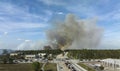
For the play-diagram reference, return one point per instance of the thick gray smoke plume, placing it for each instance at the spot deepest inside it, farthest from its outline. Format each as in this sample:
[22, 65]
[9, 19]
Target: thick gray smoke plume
[75, 34]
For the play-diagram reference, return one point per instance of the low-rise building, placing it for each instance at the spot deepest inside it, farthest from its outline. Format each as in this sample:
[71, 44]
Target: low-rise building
[13, 54]
[41, 54]
[30, 57]
[115, 63]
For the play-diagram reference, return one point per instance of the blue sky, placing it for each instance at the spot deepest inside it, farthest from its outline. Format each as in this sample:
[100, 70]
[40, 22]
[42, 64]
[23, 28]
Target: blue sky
[23, 23]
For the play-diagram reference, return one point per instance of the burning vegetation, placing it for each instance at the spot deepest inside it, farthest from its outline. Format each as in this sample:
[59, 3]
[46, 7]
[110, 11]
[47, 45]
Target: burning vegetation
[74, 33]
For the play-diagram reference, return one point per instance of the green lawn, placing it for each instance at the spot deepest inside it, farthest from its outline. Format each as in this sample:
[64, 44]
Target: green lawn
[50, 67]
[16, 67]
[86, 67]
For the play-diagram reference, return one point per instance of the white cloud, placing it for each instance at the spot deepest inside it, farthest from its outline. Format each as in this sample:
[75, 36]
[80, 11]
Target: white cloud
[24, 40]
[15, 19]
[9, 12]
[81, 9]
[19, 39]
[12, 26]
[48, 12]
[81, 6]
[59, 12]
[5, 33]
[53, 2]
[35, 33]
[28, 41]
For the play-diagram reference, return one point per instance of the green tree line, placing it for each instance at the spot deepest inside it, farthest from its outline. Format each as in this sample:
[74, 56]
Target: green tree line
[93, 54]
[54, 52]
[83, 54]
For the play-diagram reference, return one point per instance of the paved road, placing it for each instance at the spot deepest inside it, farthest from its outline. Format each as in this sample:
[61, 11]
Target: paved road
[62, 66]
[77, 67]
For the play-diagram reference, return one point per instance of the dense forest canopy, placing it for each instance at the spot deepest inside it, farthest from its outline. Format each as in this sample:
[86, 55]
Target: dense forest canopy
[80, 54]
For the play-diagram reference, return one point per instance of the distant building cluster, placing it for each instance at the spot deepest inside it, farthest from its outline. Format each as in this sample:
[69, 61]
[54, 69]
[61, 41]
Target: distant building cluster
[29, 58]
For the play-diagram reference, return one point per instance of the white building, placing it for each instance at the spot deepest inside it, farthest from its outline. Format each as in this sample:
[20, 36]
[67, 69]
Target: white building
[115, 63]
[30, 57]
[13, 54]
[41, 54]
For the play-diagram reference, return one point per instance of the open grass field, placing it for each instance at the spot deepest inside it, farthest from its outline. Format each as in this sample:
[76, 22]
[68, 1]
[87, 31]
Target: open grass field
[50, 67]
[26, 67]
[86, 67]
[16, 67]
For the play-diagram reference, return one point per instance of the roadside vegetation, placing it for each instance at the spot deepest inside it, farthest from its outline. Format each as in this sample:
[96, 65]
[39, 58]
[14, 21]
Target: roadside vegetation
[86, 67]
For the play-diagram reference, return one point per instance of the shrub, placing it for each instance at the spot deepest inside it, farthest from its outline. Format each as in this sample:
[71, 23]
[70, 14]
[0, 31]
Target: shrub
[36, 66]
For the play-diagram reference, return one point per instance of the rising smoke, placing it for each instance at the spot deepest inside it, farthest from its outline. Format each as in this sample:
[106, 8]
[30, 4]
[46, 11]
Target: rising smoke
[74, 34]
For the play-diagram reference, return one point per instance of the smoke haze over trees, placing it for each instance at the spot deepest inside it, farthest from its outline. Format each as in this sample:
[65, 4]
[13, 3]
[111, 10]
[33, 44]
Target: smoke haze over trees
[75, 33]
